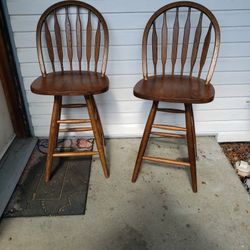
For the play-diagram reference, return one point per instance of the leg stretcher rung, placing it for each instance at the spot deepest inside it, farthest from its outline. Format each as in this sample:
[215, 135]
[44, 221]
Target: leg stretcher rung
[75, 129]
[69, 154]
[73, 121]
[169, 127]
[170, 110]
[162, 134]
[165, 160]
[74, 105]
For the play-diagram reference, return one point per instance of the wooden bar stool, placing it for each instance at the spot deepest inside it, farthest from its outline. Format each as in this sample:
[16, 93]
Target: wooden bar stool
[60, 49]
[185, 81]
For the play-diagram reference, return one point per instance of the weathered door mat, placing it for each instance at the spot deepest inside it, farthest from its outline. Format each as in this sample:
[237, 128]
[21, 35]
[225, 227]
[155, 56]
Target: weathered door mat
[65, 194]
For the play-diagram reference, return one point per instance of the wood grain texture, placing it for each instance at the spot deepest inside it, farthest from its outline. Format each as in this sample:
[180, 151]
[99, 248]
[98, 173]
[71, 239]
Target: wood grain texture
[88, 40]
[58, 40]
[69, 38]
[205, 49]
[97, 44]
[196, 43]
[175, 40]
[154, 48]
[164, 43]
[185, 41]
[49, 45]
[79, 38]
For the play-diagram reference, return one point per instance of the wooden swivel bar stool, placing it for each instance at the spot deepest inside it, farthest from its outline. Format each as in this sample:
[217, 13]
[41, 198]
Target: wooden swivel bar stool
[61, 54]
[186, 81]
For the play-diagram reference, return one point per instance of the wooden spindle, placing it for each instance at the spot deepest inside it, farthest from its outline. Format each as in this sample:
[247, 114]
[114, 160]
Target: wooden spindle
[197, 38]
[97, 44]
[205, 49]
[185, 41]
[58, 40]
[49, 45]
[164, 43]
[69, 38]
[88, 40]
[154, 48]
[79, 38]
[175, 39]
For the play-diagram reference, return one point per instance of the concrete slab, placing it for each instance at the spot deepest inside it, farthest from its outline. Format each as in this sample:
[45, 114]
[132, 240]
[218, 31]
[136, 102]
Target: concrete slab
[159, 211]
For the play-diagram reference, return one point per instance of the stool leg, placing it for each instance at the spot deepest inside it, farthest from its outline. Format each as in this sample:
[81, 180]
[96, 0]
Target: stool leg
[99, 123]
[193, 131]
[52, 135]
[97, 135]
[191, 145]
[144, 140]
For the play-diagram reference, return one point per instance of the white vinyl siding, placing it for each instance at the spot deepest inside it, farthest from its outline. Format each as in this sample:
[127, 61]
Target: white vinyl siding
[124, 115]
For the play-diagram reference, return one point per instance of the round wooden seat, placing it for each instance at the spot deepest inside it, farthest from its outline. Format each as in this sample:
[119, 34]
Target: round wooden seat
[178, 89]
[71, 83]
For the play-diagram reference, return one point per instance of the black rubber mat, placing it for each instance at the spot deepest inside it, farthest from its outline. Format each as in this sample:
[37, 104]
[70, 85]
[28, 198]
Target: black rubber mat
[66, 192]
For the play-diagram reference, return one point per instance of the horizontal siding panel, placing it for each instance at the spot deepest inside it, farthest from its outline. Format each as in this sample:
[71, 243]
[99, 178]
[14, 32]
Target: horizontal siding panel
[108, 105]
[140, 118]
[122, 130]
[134, 67]
[118, 21]
[128, 81]
[134, 37]
[133, 52]
[228, 116]
[31, 7]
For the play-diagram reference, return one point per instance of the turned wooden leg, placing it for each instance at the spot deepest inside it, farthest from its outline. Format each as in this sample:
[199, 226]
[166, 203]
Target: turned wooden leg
[53, 134]
[99, 123]
[191, 145]
[144, 140]
[97, 135]
[193, 131]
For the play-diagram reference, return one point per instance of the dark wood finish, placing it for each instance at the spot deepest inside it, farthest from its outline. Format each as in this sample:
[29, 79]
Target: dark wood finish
[98, 138]
[205, 49]
[88, 40]
[68, 83]
[74, 82]
[10, 80]
[97, 44]
[196, 44]
[167, 161]
[179, 89]
[52, 10]
[154, 48]
[144, 140]
[58, 40]
[175, 39]
[185, 41]
[183, 88]
[191, 146]
[79, 38]
[53, 135]
[49, 46]
[69, 38]
[164, 43]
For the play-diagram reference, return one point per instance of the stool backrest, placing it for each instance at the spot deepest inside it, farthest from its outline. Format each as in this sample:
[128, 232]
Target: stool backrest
[191, 19]
[61, 38]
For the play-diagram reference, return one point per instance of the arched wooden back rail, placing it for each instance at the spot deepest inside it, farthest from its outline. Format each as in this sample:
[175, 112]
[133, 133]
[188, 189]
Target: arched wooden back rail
[54, 44]
[189, 8]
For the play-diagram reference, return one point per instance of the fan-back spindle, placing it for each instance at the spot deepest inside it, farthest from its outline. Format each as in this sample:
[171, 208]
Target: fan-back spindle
[58, 40]
[154, 48]
[79, 39]
[193, 13]
[175, 39]
[185, 41]
[61, 16]
[164, 43]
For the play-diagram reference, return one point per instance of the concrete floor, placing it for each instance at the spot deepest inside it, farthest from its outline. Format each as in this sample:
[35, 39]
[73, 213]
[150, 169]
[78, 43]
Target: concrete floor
[158, 212]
